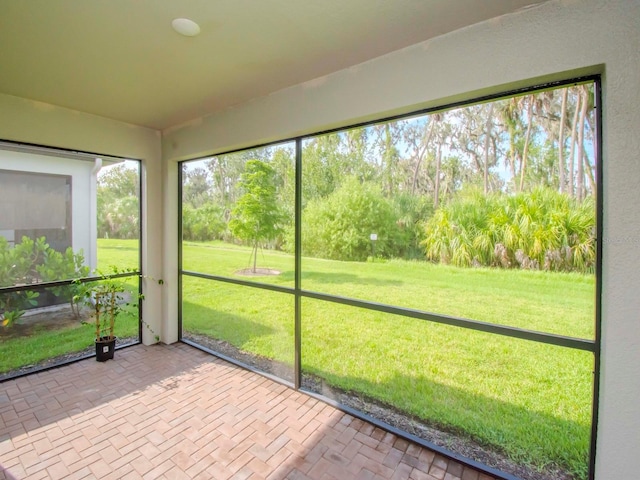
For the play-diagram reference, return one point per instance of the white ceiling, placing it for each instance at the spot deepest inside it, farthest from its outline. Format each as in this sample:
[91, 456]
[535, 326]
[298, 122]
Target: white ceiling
[120, 58]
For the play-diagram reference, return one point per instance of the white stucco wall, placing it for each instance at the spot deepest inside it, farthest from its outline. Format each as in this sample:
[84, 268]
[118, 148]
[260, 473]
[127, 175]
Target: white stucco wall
[33, 122]
[558, 40]
[82, 238]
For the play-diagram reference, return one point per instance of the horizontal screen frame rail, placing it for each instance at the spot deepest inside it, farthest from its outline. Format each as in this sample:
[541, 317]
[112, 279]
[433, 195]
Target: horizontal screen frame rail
[504, 330]
[62, 283]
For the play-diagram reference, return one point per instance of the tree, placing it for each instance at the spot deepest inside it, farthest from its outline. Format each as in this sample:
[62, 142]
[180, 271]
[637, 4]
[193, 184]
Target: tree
[418, 137]
[474, 135]
[487, 144]
[339, 227]
[584, 93]
[196, 189]
[283, 162]
[256, 216]
[118, 201]
[388, 136]
[119, 180]
[563, 116]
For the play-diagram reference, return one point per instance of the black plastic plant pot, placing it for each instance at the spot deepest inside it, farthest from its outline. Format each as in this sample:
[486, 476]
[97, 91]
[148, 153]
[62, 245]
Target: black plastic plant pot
[105, 347]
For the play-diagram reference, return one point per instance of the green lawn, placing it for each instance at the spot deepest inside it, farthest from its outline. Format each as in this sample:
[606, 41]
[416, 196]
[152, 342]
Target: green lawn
[121, 253]
[45, 341]
[529, 400]
[560, 303]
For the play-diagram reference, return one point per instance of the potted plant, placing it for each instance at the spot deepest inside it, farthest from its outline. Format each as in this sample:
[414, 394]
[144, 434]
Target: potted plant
[107, 306]
[108, 298]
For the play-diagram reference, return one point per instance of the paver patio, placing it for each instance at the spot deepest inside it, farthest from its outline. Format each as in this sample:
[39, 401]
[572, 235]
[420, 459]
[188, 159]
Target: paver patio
[172, 411]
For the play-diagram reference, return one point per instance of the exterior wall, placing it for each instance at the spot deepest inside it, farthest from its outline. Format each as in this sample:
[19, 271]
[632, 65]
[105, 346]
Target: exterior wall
[559, 39]
[82, 238]
[38, 123]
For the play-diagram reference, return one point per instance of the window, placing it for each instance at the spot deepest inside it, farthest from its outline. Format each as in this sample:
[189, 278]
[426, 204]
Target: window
[63, 216]
[36, 205]
[438, 270]
[237, 225]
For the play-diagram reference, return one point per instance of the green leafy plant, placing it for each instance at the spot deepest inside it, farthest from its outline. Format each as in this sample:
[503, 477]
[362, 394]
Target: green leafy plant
[340, 226]
[18, 263]
[13, 305]
[538, 230]
[58, 266]
[256, 216]
[109, 298]
[19, 266]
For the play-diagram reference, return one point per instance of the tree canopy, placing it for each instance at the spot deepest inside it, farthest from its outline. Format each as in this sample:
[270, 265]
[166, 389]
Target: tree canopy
[256, 216]
[417, 166]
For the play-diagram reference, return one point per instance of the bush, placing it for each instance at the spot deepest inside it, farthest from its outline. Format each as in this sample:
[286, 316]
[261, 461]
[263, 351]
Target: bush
[542, 229]
[120, 218]
[31, 262]
[203, 223]
[339, 227]
[411, 211]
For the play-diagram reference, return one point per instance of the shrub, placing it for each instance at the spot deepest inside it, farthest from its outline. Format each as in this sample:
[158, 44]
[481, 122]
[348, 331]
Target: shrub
[120, 218]
[31, 262]
[203, 223]
[411, 211]
[542, 229]
[64, 266]
[339, 227]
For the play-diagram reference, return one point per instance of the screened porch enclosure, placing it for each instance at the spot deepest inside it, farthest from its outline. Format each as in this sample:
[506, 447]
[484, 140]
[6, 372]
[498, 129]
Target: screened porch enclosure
[402, 241]
[67, 219]
[438, 271]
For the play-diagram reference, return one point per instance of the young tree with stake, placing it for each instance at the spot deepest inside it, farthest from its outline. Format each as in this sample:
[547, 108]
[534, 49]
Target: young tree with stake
[256, 216]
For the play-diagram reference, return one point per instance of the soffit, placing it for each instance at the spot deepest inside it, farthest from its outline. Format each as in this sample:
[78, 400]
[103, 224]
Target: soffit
[120, 59]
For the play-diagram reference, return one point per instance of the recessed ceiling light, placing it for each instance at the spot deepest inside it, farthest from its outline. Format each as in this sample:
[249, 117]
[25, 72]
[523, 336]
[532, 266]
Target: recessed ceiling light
[186, 27]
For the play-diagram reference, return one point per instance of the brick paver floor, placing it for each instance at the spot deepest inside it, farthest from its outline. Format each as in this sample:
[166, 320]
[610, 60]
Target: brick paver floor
[171, 411]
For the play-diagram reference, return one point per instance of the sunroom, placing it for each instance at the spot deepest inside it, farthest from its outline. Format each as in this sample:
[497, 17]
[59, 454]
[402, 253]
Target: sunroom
[283, 189]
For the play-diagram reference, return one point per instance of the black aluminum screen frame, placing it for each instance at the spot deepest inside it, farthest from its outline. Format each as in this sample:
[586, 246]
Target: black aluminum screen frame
[593, 346]
[77, 155]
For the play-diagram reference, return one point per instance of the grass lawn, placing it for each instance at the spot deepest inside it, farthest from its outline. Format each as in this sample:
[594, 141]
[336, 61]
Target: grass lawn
[528, 400]
[44, 342]
[559, 303]
[121, 253]
[43, 337]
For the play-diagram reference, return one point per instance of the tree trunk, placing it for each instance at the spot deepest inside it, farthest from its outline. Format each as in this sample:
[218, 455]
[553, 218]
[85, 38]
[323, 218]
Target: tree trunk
[589, 170]
[574, 128]
[388, 143]
[255, 256]
[563, 114]
[527, 139]
[580, 173]
[427, 139]
[512, 159]
[510, 129]
[487, 142]
[436, 194]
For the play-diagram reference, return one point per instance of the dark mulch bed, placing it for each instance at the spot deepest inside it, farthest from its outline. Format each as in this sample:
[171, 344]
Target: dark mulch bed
[47, 319]
[437, 436]
[61, 360]
[258, 272]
